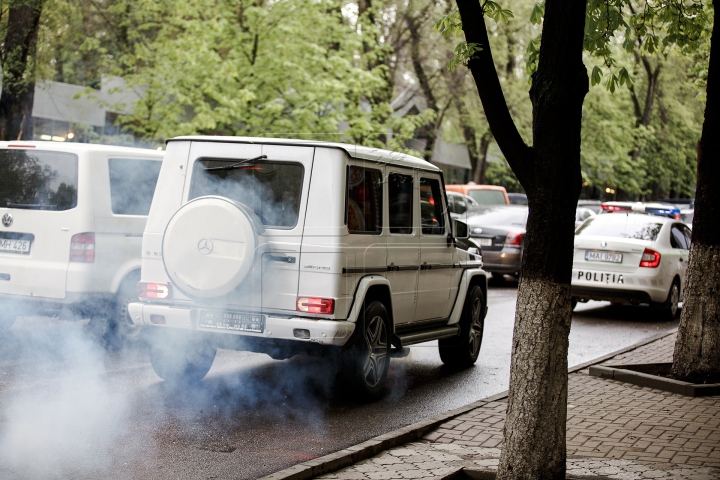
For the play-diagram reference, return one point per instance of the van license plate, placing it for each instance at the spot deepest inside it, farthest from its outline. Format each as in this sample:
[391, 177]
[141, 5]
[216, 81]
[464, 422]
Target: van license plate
[485, 242]
[10, 245]
[603, 257]
[241, 322]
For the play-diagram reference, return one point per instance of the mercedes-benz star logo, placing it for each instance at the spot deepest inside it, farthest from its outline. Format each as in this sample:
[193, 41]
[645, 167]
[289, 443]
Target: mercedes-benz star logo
[205, 246]
[7, 219]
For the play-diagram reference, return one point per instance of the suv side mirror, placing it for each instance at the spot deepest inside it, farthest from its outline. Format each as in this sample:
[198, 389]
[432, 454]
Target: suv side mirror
[460, 229]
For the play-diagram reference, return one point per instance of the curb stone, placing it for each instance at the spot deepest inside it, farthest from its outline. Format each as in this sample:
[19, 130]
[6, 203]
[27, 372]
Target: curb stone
[370, 448]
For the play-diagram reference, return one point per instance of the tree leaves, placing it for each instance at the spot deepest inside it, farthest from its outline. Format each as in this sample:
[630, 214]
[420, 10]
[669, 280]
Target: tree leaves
[463, 54]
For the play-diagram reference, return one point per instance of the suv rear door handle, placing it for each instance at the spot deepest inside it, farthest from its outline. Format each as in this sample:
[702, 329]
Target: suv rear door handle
[281, 258]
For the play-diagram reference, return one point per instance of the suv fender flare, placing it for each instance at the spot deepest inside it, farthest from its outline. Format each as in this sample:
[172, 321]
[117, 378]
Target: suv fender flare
[471, 276]
[363, 287]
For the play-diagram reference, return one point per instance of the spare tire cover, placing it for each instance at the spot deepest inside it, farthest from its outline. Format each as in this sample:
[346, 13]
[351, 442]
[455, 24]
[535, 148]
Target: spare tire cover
[209, 247]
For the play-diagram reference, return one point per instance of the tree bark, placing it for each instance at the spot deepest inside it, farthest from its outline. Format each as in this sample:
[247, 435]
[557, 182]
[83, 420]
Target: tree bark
[534, 440]
[697, 350]
[644, 114]
[481, 167]
[18, 64]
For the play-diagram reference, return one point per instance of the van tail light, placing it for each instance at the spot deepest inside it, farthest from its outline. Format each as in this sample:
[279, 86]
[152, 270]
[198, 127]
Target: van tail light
[514, 239]
[156, 291]
[315, 305]
[650, 259]
[82, 248]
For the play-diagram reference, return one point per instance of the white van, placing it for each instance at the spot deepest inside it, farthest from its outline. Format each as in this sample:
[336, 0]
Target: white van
[72, 221]
[287, 246]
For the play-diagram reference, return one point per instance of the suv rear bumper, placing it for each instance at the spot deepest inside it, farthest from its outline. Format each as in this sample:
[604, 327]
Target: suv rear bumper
[324, 332]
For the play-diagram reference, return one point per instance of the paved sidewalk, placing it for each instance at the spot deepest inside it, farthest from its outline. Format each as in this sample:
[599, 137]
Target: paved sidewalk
[614, 430]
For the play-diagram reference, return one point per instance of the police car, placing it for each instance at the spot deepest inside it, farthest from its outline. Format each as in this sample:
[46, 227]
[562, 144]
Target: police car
[631, 257]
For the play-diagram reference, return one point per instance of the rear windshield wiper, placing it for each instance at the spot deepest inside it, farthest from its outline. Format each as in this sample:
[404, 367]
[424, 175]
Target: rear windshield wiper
[236, 165]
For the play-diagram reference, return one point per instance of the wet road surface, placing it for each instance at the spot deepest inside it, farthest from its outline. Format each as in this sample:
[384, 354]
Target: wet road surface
[70, 409]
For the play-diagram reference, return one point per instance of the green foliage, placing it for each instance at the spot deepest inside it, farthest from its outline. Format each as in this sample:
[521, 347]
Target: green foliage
[463, 54]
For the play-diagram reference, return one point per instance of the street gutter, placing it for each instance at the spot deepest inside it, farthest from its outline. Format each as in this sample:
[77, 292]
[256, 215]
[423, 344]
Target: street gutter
[370, 448]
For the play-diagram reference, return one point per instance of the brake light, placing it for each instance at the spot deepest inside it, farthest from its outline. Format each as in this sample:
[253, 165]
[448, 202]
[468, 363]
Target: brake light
[21, 146]
[82, 248]
[615, 208]
[153, 290]
[650, 258]
[315, 305]
[514, 239]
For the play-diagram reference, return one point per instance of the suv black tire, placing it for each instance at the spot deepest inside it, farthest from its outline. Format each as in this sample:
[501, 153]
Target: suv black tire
[365, 359]
[178, 360]
[462, 350]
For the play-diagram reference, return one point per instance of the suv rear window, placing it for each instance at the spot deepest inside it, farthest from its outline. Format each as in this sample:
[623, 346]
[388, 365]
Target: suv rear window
[132, 184]
[621, 226]
[364, 201]
[38, 180]
[271, 189]
[488, 197]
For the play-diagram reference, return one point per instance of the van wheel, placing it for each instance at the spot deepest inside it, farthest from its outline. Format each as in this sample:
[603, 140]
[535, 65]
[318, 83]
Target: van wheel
[462, 350]
[6, 321]
[121, 330]
[181, 361]
[364, 361]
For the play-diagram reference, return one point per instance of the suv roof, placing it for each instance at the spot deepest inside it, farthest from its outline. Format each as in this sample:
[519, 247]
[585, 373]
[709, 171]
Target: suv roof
[355, 151]
[74, 147]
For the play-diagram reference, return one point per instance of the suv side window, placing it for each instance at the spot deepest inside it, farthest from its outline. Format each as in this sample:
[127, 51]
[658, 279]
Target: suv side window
[132, 184]
[432, 214]
[677, 238]
[364, 201]
[400, 195]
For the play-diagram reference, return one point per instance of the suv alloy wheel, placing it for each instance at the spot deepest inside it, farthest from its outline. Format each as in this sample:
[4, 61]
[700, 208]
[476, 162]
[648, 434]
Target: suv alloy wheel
[463, 350]
[366, 357]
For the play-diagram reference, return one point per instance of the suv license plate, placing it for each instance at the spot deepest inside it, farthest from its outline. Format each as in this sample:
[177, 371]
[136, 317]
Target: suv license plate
[603, 257]
[485, 242]
[9, 245]
[242, 322]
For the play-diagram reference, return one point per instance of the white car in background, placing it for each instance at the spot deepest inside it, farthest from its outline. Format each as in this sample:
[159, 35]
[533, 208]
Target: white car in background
[631, 257]
[73, 215]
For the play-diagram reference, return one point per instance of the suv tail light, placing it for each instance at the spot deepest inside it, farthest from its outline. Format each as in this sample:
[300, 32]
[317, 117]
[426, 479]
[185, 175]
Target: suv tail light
[315, 305]
[153, 290]
[82, 248]
[650, 259]
[514, 239]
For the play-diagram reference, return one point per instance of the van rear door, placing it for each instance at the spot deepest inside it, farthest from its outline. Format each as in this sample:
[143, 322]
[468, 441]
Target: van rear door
[41, 205]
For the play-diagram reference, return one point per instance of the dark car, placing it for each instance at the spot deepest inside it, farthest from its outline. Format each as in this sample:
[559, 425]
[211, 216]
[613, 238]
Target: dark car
[500, 231]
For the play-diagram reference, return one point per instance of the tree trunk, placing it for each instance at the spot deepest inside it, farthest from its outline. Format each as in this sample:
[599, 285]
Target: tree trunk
[534, 441]
[644, 114]
[697, 350]
[481, 166]
[18, 64]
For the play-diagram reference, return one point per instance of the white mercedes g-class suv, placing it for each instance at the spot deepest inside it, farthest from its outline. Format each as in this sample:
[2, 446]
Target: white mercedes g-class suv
[288, 246]
[73, 215]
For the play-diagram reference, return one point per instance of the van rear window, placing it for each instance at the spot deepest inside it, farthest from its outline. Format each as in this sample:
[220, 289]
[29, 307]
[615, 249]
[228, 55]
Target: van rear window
[132, 184]
[271, 189]
[38, 180]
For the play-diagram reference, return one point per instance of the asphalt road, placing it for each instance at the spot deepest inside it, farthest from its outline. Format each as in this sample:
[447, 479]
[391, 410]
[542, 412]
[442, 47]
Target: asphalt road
[70, 409]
